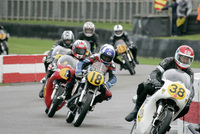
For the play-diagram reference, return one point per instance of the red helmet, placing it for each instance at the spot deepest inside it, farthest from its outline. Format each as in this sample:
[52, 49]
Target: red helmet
[184, 56]
[79, 49]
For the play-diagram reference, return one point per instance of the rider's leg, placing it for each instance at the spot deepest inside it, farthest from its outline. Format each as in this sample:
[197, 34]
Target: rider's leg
[134, 52]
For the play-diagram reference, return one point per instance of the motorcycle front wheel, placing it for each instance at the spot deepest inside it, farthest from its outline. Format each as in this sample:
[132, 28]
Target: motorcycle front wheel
[83, 109]
[55, 102]
[163, 124]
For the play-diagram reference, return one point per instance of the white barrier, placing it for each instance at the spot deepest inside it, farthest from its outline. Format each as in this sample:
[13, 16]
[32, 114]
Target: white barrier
[193, 116]
[21, 68]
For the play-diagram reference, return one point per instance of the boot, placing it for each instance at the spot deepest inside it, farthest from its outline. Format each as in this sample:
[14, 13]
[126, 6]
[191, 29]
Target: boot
[132, 115]
[68, 91]
[136, 61]
[122, 66]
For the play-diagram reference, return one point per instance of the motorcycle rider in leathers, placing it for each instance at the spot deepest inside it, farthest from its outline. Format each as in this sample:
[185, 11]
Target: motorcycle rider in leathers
[89, 35]
[66, 41]
[120, 34]
[105, 56]
[184, 56]
[79, 51]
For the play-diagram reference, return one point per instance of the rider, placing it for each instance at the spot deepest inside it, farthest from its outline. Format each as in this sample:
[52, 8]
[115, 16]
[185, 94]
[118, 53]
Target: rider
[89, 35]
[80, 52]
[120, 34]
[184, 56]
[105, 56]
[66, 41]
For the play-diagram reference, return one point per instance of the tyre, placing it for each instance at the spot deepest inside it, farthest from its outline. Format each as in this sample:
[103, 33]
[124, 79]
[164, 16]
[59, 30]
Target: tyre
[129, 66]
[70, 117]
[163, 124]
[55, 102]
[83, 109]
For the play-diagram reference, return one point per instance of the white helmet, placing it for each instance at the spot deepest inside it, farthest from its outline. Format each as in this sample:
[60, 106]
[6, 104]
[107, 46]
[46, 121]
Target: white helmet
[118, 30]
[88, 29]
[67, 38]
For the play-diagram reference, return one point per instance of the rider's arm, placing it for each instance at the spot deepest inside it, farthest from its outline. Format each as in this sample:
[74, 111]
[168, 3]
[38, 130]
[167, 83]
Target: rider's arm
[97, 43]
[128, 39]
[112, 77]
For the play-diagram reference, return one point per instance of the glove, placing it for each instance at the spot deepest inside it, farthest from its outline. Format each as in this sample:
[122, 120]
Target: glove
[48, 59]
[156, 83]
[109, 84]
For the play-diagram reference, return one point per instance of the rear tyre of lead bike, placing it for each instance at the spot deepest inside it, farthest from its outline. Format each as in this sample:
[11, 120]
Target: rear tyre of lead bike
[55, 102]
[70, 117]
[129, 66]
[164, 122]
[83, 109]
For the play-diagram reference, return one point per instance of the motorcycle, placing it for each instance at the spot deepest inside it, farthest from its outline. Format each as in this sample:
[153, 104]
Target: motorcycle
[160, 109]
[57, 52]
[55, 88]
[85, 92]
[125, 55]
[3, 42]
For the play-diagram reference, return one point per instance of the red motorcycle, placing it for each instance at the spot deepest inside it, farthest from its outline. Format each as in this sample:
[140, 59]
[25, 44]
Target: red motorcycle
[55, 88]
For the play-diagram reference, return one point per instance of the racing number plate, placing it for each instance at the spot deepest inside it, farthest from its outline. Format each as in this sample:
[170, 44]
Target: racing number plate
[121, 48]
[95, 78]
[177, 91]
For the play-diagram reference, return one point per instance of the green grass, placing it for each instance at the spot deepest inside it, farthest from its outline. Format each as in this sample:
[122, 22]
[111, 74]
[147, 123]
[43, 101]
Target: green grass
[29, 45]
[39, 46]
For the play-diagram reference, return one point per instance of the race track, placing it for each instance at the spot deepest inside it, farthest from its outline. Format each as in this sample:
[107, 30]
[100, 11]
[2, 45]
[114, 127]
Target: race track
[22, 111]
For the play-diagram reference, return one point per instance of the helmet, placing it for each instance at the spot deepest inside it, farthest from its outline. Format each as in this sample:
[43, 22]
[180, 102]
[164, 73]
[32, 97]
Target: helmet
[107, 53]
[118, 30]
[67, 38]
[184, 56]
[88, 29]
[79, 49]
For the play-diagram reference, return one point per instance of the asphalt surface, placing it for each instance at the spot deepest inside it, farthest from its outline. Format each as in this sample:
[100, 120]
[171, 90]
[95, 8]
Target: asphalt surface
[22, 111]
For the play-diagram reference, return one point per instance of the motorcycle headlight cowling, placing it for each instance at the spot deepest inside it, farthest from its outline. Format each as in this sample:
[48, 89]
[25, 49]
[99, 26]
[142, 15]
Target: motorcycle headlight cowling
[121, 48]
[65, 73]
[95, 78]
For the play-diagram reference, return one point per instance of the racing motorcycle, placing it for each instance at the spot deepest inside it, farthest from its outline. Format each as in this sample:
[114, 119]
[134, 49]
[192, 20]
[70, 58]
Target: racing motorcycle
[3, 42]
[57, 52]
[85, 92]
[160, 109]
[125, 54]
[55, 87]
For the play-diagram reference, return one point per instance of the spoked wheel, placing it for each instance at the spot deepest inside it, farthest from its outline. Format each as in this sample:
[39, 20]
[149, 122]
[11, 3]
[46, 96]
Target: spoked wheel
[56, 102]
[83, 109]
[162, 125]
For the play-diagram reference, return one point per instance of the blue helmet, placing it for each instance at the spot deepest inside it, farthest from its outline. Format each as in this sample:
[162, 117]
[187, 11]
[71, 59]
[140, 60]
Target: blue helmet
[107, 53]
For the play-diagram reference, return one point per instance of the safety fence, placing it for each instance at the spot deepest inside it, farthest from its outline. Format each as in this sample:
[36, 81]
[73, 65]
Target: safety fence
[81, 10]
[21, 68]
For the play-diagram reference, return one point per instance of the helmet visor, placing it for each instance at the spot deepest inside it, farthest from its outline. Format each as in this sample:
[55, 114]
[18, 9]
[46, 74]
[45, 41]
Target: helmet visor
[106, 58]
[67, 42]
[185, 60]
[80, 51]
[88, 31]
[118, 32]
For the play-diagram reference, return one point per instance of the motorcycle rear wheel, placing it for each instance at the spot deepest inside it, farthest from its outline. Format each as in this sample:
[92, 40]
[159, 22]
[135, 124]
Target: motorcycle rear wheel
[164, 122]
[83, 110]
